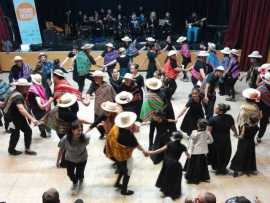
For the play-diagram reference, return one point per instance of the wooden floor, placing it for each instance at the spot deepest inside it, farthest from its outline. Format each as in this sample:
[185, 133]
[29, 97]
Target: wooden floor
[25, 178]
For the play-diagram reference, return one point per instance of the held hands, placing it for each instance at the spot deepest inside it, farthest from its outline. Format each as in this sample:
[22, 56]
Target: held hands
[35, 122]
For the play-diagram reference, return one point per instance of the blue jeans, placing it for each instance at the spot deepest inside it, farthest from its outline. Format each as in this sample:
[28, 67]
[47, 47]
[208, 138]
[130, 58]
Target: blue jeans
[194, 31]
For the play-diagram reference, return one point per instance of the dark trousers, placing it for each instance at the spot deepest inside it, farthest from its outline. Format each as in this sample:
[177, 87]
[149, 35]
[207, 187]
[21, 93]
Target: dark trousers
[81, 82]
[185, 62]
[264, 122]
[20, 125]
[209, 107]
[123, 173]
[44, 130]
[6, 121]
[229, 86]
[194, 81]
[75, 171]
[172, 87]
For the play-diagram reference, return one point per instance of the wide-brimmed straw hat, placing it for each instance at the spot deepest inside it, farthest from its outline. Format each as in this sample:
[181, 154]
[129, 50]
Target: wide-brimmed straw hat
[66, 100]
[109, 45]
[150, 39]
[235, 52]
[264, 68]
[211, 46]
[125, 119]
[98, 73]
[203, 53]
[22, 82]
[172, 52]
[123, 97]
[251, 93]
[18, 58]
[111, 107]
[59, 72]
[153, 83]
[220, 68]
[255, 54]
[126, 39]
[42, 54]
[181, 39]
[87, 46]
[225, 50]
[37, 79]
[266, 78]
[128, 76]
[122, 49]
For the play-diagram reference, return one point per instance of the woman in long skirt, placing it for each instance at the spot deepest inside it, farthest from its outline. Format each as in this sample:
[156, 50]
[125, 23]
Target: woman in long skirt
[244, 159]
[194, 110]
[170, 176]
[221, 149]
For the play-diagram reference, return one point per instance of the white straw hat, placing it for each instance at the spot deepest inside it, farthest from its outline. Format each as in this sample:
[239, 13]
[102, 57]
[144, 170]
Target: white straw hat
[87, 46]
[235, 52]
[225, 50]
[255, 54]
[109, 45]
[251, 93]
[181, 39]
[203, 53]
[153, 83]
[111, 107]
[22, 82]
[150, 39]
[123, 97]
[18, 58]
[59, 72]
[125, 119]
[98, 73]
[37, 79]
[220, 68]
[172, 52]
[128, 76]
[211, 46]
[66, 100]
[266, 77]
[122, 49]
[126, 39]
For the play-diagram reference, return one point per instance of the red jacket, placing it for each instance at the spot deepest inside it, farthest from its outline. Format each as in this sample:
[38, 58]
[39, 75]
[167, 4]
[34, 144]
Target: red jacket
[169, 71]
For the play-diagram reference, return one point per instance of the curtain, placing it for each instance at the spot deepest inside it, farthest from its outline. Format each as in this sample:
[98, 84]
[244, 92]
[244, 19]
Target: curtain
[249, 28]
[3, 26]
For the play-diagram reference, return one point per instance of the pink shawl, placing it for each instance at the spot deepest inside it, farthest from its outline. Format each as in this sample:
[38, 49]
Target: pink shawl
[39, 91]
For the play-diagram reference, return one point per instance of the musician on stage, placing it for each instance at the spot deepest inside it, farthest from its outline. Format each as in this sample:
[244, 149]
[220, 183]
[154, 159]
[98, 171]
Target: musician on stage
[152, 24]
[134, 25]
[167, 26]
[193, 25]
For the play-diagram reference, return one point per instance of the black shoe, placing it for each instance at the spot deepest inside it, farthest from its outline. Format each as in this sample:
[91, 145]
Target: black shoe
[14, 152]
[230, 99]
[127, 192]
[259, 140]
[117, 185]
[30, 152]
[235, 174]
[43, 135]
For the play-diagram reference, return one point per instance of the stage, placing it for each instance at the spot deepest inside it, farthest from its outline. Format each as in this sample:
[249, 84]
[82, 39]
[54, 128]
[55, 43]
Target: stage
[6, 59]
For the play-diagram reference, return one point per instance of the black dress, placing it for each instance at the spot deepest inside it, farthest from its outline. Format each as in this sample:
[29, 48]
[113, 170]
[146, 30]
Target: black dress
[170, 177]
[140, 84]
[194, 113]
[244, 159]
[221, 149]
[152, 67]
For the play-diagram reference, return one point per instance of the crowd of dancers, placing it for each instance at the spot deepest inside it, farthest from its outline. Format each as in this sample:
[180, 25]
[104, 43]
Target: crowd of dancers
[45, 98]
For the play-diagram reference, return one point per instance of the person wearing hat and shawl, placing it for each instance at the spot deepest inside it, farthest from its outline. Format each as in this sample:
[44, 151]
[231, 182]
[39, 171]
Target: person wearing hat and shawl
[199, 70]
[82, 65]
[212, 59]
[103, 92]
[185, 53]
[105, 122]
[231, 75]
[170, 176]
[61, 85]
[19, 70]
[130, 86]
[208, 87]
[38, 102]
[120, 144]
[109, 55]
[264, 89]
[221, 149]
[124, 98]
[252, 77]
[225, 62]
[17, 112]
[171, 71]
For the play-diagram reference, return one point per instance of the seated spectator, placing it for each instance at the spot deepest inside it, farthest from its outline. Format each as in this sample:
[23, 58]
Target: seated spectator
[51, 196]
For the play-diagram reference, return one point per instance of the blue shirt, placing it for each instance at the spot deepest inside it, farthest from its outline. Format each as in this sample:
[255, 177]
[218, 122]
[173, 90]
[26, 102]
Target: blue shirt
[212, 60]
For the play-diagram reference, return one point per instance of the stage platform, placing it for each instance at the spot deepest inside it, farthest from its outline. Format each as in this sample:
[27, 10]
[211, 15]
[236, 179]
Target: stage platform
[6, 59]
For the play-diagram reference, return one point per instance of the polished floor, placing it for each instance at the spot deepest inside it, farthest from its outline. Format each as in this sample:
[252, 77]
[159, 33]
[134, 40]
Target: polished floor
[23, 179]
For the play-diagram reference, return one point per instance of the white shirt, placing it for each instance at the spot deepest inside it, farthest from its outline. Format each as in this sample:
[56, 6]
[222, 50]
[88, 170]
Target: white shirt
[198, 142]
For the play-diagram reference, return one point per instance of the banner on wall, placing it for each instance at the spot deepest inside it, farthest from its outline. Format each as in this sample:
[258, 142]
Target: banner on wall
[27, 21]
